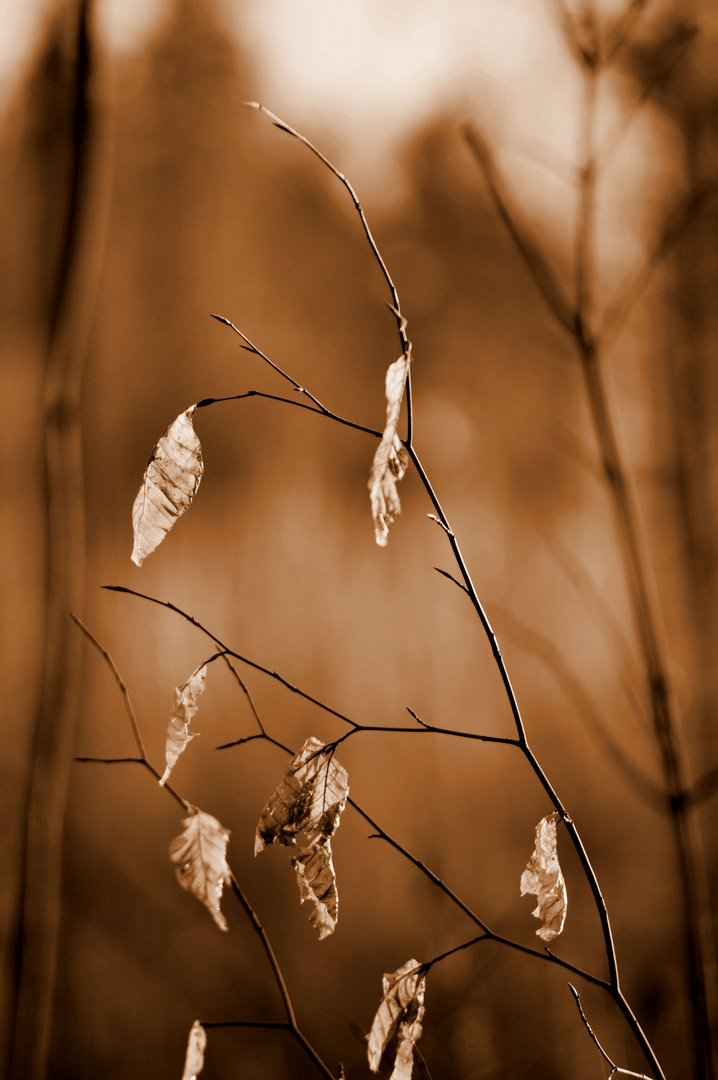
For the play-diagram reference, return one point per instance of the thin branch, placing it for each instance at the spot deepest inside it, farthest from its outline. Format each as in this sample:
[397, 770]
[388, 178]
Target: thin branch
[674, 228]
[615, 1069]
[118, 679]
[536, 263]
[243, 659]
[395, 305]
[280, 371]
[137, 761]
[575, 693]
[290, 401]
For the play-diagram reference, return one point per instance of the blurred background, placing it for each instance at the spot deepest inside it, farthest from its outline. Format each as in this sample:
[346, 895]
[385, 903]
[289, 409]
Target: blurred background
[139, 196]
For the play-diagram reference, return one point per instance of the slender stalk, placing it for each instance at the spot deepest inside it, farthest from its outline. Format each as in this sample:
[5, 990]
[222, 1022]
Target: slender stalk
[661, 704]
[78, 275]
[394, 305]
[591, 343]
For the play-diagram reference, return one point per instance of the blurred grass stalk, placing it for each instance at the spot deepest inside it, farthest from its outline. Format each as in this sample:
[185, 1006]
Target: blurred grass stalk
[590, 332]
[78, 273]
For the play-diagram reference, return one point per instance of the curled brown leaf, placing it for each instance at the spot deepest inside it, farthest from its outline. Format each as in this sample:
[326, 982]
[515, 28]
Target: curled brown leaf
[543, 878]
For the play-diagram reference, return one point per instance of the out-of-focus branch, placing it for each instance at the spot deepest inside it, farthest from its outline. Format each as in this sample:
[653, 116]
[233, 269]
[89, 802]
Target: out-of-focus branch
[78, 276]
[536, 262]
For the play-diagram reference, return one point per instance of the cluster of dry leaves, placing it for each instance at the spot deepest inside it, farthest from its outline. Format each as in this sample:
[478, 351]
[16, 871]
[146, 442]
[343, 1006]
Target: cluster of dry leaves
[303, 813]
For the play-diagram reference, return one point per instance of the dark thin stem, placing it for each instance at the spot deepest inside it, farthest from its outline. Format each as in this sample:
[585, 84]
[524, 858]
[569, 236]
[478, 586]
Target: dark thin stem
[582, 704]
[395, 305]
[120, 682]
[322, 411]
[269, 951]
[251, 347]
[137, 761]
[243, 659]
[614, 1068]
[498, 658]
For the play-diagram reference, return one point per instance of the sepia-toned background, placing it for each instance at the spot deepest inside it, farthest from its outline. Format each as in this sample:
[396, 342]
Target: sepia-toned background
[139, 195]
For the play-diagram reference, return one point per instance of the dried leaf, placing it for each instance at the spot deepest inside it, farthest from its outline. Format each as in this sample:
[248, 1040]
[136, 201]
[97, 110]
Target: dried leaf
[317, 882]
[170, 483]
[309, 799]
[185, 707]
[194, 1058]
[199, 856]
[391, 459]
[400, 1013]
[544, 879]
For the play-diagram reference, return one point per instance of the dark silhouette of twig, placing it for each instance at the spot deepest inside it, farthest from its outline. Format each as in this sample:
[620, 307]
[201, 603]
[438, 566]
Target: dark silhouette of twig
[615, 1069]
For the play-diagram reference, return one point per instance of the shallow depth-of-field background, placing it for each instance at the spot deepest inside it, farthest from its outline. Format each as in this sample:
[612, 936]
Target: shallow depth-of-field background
[211, 209]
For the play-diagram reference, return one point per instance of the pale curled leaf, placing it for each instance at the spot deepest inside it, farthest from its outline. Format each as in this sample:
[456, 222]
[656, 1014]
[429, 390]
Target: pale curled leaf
[400, 1013]
[185, 707]
[543, 878]
[309, 799]
[317, 883]
[170, 483]
[199, 858]
[194, 1058]
[391, 459]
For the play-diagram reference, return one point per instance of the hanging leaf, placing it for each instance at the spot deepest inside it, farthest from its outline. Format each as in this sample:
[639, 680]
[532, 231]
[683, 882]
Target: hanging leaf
[194, 1058]
[309, 799]
[199, 857]
[543, 878]
[185, 707]
[391, 459]
[400, 1013]
[317, 882]
[170, 483]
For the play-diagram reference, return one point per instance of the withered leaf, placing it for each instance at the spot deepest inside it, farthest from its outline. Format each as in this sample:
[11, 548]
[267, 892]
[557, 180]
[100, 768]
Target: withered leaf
[194, 1058]
[185, 707]
[400, 1013]
[170, 483]
[199, 857]
[317, 882]
[309, 799]
[543, 878]
[391, 458]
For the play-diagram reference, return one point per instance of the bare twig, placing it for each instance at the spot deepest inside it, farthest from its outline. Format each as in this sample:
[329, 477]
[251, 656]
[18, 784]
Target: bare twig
[616, 1070]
